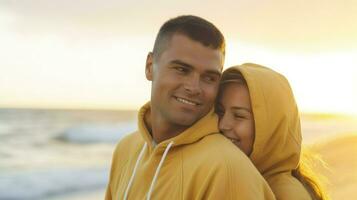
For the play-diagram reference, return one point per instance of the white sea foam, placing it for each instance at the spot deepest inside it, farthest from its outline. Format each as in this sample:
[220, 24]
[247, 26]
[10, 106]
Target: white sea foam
[95, 133]
[44, 184]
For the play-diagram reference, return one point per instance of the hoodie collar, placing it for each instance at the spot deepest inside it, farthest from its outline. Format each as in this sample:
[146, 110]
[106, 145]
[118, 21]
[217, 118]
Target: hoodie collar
[203, 127]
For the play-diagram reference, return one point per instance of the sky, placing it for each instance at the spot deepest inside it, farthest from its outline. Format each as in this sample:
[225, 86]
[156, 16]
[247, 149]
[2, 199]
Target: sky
[91, 53]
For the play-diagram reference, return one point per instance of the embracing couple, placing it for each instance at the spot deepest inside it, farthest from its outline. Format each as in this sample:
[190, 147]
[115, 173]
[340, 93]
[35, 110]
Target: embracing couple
[208, 134]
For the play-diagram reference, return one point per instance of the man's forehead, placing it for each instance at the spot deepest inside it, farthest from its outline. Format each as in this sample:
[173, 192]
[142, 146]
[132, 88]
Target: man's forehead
[183, 44]
[178, 38]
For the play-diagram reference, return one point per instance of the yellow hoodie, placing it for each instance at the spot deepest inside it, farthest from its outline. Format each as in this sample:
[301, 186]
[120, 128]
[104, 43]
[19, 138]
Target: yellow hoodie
[277, 145]
[197, 164]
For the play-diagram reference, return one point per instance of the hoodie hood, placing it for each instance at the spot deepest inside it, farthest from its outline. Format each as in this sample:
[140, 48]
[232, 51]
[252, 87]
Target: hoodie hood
[205, 126]
[277, 142]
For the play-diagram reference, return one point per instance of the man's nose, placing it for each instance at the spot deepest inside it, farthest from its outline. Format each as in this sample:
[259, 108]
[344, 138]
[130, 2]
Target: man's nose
[192, 85]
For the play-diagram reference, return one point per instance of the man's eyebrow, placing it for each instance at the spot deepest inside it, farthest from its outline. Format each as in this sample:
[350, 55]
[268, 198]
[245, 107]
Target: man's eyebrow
[179, 62]
[214, 72]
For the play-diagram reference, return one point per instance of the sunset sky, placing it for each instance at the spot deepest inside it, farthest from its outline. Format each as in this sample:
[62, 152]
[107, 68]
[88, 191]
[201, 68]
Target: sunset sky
[91, 53]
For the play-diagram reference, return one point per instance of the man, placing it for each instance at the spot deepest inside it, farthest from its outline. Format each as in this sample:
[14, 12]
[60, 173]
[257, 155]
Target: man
[177, 153]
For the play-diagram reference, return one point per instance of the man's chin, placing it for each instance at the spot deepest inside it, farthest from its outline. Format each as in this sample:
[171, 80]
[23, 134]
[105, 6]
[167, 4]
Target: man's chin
[186, 120]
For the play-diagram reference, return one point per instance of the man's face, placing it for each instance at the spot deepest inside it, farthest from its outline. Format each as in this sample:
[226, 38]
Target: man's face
[185, 80]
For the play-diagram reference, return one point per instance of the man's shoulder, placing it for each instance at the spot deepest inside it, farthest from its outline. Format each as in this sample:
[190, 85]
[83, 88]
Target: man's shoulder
[216, 156]
[128, 138]
[128, 142]
[221, 146]
[215, 148]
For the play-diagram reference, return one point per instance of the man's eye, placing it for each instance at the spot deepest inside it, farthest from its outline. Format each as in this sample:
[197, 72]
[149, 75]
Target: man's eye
[210, 79]
[181, 69]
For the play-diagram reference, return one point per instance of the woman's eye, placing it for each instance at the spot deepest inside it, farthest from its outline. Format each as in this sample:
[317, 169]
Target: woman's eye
[239, 117]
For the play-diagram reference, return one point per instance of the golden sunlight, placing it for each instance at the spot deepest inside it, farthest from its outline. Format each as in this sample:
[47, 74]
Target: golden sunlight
[322, 82]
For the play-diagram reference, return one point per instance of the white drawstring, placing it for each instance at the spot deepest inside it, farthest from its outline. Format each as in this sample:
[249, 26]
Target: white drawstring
[158, 170]
[134, 171]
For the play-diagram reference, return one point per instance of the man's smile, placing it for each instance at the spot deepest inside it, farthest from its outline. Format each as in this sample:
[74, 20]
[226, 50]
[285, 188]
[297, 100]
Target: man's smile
[187, 101]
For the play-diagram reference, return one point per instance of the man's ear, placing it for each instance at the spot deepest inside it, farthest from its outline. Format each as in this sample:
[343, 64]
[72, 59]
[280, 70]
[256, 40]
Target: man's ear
[149, 66]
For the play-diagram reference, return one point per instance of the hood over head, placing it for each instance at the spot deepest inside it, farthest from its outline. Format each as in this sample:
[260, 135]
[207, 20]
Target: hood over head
[277, 143]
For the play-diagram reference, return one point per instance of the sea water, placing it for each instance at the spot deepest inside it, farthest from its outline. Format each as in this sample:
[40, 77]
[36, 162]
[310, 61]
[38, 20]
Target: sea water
[51, 153]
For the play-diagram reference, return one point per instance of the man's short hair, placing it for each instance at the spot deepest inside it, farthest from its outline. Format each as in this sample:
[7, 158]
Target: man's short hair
[195, 28]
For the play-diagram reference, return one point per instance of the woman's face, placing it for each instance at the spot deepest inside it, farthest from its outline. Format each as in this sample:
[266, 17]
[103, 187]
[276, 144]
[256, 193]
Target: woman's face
[236, 120]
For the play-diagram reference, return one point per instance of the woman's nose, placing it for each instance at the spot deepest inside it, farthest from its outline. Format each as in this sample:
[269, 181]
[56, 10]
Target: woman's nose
[224, 124]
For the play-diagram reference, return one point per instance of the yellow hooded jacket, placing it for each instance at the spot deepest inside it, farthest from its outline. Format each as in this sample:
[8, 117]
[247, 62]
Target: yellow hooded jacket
[199, 163]
[277, 145]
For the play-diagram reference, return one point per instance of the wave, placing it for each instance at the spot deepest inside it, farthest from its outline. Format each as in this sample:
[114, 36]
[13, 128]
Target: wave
[50, 183]
[96, 133]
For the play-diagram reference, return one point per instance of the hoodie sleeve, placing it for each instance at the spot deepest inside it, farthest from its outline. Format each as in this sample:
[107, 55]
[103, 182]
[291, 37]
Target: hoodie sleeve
[286, 186]
[108, 194]
[114, 172]
[245, 182]
[238, 180]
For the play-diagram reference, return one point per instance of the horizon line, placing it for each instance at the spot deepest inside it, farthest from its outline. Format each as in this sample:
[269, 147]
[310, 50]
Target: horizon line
[69, 108]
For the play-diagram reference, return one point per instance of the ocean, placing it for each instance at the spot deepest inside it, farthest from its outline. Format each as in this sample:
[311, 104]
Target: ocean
[54, 154]
[47, 154]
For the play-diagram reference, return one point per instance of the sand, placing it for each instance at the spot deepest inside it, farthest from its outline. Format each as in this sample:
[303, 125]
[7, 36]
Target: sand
[340, 155]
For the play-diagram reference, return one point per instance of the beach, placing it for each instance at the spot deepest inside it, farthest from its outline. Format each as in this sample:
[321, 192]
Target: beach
[340, 155]
[66, 154]
[334, 139]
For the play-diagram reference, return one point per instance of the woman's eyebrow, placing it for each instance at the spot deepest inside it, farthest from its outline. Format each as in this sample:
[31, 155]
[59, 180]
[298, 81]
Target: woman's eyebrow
[241, 108]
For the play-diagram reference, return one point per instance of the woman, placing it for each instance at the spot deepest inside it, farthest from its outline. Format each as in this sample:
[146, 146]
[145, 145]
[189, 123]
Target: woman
[258, 113]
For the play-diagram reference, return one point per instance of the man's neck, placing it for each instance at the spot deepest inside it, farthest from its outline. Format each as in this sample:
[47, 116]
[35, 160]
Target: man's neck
[159, 128]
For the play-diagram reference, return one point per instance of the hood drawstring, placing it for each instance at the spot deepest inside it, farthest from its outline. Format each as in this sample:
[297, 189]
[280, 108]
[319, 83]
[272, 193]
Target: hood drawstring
[156, 172]
[134, 171]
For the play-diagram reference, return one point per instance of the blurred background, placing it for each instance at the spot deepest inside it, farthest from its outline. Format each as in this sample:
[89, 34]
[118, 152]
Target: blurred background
[72, 79]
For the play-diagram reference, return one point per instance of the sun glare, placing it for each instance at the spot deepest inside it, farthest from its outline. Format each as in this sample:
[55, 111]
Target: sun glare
[322, 82]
